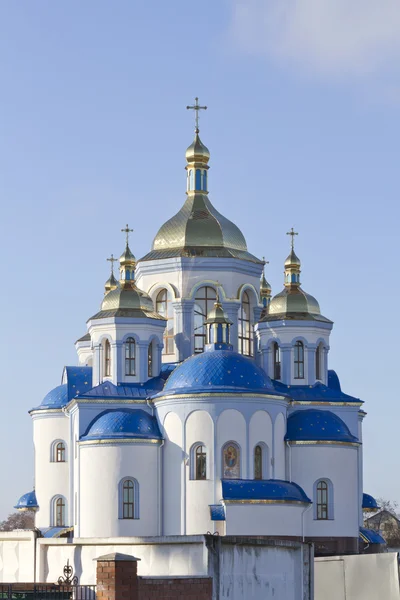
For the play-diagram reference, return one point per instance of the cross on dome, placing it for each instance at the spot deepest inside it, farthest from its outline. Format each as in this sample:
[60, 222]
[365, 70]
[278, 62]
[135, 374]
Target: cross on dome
[196, 107]
[127, 231]
[292, 232]
[112, 260]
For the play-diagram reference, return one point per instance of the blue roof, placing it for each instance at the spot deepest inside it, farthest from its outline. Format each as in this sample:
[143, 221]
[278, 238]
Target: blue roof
[218, 371]
[317, 425]
[217, 512]
[263, 489]
[56, 398]
[138, 391]
[122, 423]
[314, 393]
[54, 532]
[369, 503]
[333, 380]
[370, 536]
[27, 502]
[78, 379]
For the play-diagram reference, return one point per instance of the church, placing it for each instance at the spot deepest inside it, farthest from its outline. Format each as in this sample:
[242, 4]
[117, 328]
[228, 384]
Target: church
[201, 401]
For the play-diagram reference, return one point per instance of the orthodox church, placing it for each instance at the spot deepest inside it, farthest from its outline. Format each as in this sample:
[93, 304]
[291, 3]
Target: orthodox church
[201, 401]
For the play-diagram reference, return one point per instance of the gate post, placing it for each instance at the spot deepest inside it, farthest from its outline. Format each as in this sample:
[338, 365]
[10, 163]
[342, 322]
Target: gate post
[116, 576]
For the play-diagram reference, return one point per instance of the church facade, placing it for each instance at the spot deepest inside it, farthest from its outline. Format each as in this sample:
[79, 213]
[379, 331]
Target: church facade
[201, 402]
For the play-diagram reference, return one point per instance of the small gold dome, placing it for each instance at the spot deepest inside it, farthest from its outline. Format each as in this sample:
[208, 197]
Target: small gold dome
[265, 287]
[197, 151]
[110, 284]
[127, 296]
[292, 260]
[127, 256]
[217, 315]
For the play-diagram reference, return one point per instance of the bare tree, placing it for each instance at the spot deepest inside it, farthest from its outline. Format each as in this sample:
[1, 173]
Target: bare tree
[18, 520]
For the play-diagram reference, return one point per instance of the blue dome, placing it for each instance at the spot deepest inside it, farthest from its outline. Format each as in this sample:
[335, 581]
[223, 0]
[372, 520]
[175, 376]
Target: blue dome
[267, 489]
[369, 503]
[27, 502]
[218, 371]
[56, 398]
[122, 424]
[317, 425]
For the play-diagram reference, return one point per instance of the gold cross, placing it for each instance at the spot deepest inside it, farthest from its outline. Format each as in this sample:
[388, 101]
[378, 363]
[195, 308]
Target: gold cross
[112, 261]
[266, 262]
[127, 231]
[196, 107]
[292, 232]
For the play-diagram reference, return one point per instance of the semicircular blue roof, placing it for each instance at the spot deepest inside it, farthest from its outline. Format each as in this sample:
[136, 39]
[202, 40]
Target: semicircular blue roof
[27, 502]
[218, 371]
[317, 425]
[369, 503]
[265, 489]
[56, 398]
[122, 423]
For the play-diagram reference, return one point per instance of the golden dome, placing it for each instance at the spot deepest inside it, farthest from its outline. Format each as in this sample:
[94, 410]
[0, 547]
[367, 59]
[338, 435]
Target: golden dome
[265, 287]
[292, 260]
[110, 284]
[127, 256]
[127, 296]
[293, 300]
[217, 315]
[197, 151]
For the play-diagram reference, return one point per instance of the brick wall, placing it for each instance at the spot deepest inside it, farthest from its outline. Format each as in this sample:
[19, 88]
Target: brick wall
[177, 588]
[117, 580]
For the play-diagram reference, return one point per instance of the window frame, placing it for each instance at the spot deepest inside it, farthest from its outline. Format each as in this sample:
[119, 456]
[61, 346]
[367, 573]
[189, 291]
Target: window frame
[298, 360]
[150, 360]
[107, 358]
[57, 518]
[165, 309]
[53, 451]
[323, 500]
[208, 304]
[134, 503]
[318, 363]
[277, 364]
[60, 452]
[129, 356]
[245, 327]
[258, 476]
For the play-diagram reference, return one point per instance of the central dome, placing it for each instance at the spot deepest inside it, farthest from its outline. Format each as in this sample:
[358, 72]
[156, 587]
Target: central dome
[218, 371]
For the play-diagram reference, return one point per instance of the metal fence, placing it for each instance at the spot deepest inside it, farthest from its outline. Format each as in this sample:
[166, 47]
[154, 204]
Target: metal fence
[33, 591]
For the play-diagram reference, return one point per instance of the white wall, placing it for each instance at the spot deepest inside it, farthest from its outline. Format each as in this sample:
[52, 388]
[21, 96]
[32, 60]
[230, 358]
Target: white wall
[264, 519]
[339, 464]
[51, 478]
[260, 430]
[17, 552]
[102, 468]
[173, 476]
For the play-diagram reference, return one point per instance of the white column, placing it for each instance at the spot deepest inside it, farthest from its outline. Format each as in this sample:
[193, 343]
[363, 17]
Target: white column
[184, 325]
[286, 363]
[232, 310]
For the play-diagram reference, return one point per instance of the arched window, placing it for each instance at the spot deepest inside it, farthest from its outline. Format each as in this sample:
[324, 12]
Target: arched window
[204, 301]
[205, 181]
[277, 361]
[201, 462]
[318, 357]
[128, 498]
[60, 452]
[107, 359]
[258, 462]
[165, 309]
[198, 179]
[231, 461]
[150, 360]
[245, 327]
[58, 512]
[299, 360]
[130, 356]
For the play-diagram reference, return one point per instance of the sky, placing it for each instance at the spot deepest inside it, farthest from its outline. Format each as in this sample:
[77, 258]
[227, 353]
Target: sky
[303, 128]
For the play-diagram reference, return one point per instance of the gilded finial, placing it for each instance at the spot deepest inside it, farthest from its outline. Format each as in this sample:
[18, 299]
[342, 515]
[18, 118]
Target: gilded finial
[196, 107]
[127, 231]
[112, 260]
[292, 232]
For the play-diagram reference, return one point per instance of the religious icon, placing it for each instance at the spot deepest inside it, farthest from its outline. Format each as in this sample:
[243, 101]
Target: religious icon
[230, 456]
[231, 461]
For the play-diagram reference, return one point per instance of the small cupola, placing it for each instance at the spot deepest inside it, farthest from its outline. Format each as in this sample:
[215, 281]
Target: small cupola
[127, 261]
[197, 157]
[265, 289]
[111, 283]
[218, 328]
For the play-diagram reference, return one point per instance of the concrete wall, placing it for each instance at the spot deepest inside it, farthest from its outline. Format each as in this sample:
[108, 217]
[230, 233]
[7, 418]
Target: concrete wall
[17, 556]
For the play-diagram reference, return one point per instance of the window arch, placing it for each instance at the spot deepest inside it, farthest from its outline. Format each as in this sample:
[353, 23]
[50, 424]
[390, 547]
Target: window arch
[165, 309]
[231, 461]
[58, 511]
[204, 301]
[323, 500]
[128, 498]
[58, 451]
[198, 179]
[205, 180]
[318, 362]
[258, 462]
[130, 356]
[107, 359]
[245, 327]
[277, 360]
[299, 360]
[198, 461]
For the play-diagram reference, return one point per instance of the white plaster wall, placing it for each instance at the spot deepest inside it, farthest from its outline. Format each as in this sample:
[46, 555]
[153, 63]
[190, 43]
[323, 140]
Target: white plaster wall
[17, 551]
[51, 478]
[101, 469]
[173, 476]
[264, 519]
[260, 430]
[340, 465]
[158, 557]
[279, 470]
[199, 494]
[231, 427]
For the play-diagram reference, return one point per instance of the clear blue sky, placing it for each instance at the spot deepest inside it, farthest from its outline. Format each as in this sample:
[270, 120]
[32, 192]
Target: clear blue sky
[303, 128]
